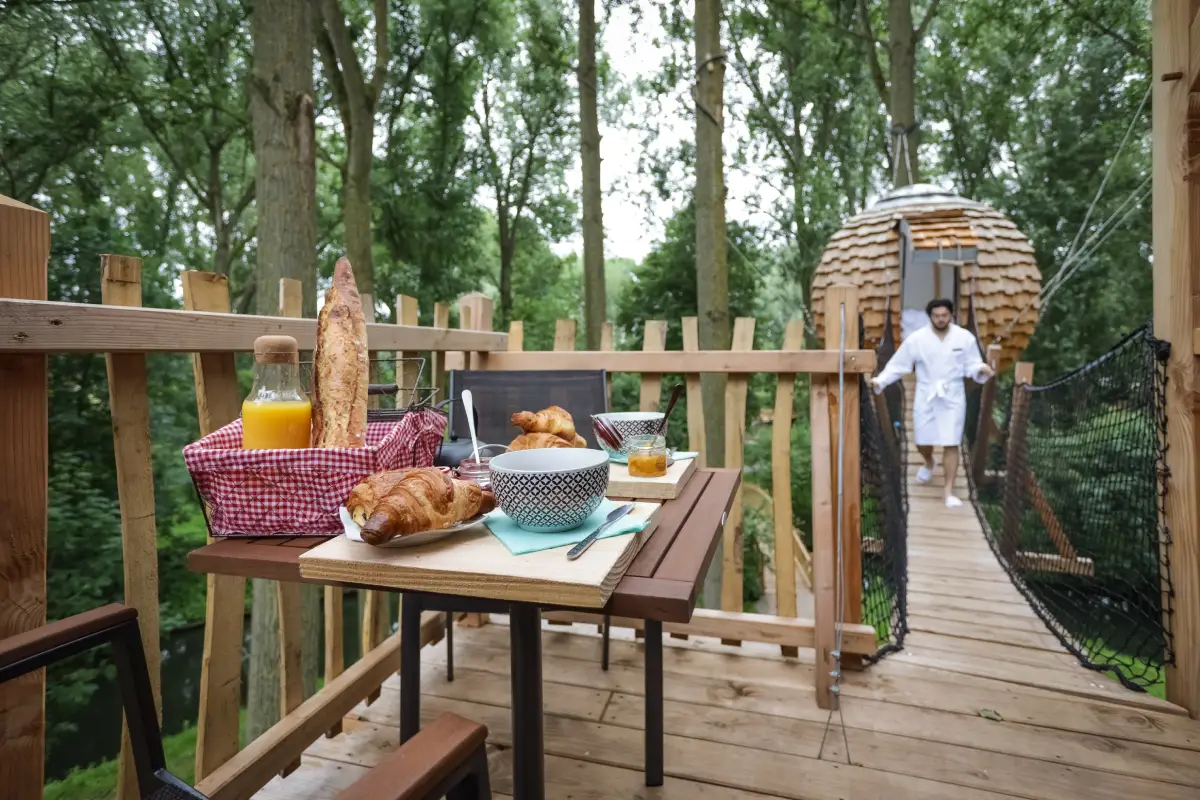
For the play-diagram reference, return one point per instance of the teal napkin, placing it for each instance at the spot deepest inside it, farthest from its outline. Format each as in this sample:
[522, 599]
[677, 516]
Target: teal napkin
[520, 541]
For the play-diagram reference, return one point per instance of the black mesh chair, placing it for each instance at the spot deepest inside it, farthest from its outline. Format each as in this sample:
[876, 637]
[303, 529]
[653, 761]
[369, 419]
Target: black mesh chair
[500, 393]
[448, 758]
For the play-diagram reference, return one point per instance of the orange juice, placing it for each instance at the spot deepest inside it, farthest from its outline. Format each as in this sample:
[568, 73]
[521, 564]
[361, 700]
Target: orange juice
[276, 424]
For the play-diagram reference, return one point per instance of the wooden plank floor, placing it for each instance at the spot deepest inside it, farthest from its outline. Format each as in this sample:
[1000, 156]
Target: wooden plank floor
[983, 702]
[745, 724]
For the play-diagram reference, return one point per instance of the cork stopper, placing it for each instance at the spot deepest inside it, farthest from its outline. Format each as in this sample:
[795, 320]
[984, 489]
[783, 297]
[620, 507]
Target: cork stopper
[276, 350]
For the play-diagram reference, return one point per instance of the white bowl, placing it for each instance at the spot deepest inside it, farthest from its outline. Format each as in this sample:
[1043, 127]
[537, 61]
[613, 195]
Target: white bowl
[550, 490]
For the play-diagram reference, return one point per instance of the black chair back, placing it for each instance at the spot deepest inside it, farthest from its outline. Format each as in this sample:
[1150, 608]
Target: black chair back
[500, 394]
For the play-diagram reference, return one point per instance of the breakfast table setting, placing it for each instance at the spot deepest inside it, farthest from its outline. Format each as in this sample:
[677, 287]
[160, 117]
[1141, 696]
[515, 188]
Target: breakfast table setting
[323, 491]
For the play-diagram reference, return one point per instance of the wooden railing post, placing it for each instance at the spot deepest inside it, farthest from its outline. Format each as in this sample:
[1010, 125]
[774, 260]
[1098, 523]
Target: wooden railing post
[441, 319]
[1014, 464]
[606, 343]
[475, 313]
[129, 402]
[24, 463]
[654, 340]
[564, 334]
[851, 577]
[781, 482]
[516, 336]
[373, 628]
[735, 439]
[983, 430]
[408, 312]
[824, 550]
[695, 397]
[218, 401]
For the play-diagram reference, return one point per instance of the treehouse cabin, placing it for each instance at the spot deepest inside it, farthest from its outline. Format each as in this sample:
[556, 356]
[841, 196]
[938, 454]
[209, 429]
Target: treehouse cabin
[919, 243]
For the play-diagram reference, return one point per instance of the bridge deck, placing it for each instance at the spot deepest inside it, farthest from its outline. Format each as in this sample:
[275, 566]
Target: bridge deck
[983, 702]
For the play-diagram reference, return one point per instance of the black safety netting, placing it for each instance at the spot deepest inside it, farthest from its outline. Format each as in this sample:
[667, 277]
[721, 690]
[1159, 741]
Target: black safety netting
[884, 516]
[1071, 497]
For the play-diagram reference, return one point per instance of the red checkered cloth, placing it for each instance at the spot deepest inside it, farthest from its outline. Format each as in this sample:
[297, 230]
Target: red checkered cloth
[299, 492]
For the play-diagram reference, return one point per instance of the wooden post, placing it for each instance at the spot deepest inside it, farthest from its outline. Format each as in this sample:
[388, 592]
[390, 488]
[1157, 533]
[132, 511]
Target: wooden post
[606, 344]
[735, 436]
[695, 397]
[373, 628]
[781, 482]
[1014, 463]
[129, 402]
[983, 431]
[407, 313]
[1176, 51]
[24, 463]
[441, 319]
[218, 401]
[564, 334]
[516, 336]
[839, 296]
[824, 554]
[654, 341]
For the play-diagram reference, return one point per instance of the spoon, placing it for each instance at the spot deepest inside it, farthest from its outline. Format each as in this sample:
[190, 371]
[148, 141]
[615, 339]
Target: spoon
[469, 405]
[606, 431]
[678, 390]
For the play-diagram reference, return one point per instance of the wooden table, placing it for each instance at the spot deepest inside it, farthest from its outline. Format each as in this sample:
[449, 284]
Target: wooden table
[661, 585]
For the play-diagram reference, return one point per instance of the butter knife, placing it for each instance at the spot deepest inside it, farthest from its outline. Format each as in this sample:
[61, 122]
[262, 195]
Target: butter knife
[613, 516]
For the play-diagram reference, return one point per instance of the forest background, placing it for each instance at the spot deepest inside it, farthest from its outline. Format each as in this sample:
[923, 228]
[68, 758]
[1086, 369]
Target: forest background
[471, 145]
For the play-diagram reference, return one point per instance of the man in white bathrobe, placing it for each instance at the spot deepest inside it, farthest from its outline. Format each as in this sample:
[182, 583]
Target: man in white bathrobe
[943, 354]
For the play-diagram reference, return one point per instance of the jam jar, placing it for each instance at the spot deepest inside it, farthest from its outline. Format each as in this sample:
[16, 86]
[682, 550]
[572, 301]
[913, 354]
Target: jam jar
[478, 473]
[647, 457]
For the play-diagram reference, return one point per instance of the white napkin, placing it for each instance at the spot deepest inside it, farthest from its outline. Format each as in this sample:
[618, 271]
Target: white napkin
[349, 526]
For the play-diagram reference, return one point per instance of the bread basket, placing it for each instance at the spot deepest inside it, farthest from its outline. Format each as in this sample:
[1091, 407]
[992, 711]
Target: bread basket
[299, 492]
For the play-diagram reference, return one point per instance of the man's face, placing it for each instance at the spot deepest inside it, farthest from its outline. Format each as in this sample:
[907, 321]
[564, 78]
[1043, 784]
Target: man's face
[941, 318]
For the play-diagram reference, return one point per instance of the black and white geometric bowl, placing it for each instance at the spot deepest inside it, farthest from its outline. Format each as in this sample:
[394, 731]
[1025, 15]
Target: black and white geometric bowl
[550, 490]
[629, 424]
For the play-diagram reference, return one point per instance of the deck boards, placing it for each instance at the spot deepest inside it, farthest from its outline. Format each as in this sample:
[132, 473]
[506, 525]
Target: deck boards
[983, 702]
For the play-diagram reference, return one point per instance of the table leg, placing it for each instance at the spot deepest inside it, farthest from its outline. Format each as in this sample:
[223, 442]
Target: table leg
[525, 627]
[604, 646]
[410, 666]
[450, 646]
[654, 703]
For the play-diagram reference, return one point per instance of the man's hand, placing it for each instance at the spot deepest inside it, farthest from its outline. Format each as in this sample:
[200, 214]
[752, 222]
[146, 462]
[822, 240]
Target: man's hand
[987, 372]
[876, 385]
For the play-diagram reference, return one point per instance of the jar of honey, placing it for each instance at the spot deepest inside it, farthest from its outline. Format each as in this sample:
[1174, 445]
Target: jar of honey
[648, 457]
[276, 415]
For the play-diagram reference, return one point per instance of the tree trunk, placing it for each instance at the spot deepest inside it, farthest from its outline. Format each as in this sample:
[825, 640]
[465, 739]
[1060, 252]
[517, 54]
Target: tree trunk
[507, 250]
[281, 109]
[712, 271]
[902, 63]
[356, 196]
[595, 303]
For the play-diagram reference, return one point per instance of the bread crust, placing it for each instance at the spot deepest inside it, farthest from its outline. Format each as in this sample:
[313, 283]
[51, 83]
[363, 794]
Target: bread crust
[404, 502]
[341, 365]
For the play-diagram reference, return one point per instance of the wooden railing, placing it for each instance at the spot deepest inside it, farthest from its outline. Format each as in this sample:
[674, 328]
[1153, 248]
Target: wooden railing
[31, 328]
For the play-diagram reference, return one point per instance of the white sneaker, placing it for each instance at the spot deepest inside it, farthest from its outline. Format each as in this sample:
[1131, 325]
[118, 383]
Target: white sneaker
[924, 474]
[953, 502]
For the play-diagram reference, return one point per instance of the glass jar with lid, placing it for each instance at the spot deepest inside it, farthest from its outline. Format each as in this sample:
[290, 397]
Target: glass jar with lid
[276, 415]
[647, 457]
[479, 473]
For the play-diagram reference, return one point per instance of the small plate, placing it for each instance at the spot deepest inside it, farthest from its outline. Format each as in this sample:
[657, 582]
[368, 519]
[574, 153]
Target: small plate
[413, 539]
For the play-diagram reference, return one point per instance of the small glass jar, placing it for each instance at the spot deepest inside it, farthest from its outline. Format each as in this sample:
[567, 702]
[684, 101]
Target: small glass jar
[276, 415]
[647, 457]
[478, 473]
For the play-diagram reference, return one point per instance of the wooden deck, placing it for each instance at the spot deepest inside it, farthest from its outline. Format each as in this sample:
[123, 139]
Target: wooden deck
[983, 702]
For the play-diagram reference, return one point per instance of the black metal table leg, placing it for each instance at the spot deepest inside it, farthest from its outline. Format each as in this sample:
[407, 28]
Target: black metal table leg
[450, 646]
[525, 629]
[604, 646]
[410, 666]
[654, 703]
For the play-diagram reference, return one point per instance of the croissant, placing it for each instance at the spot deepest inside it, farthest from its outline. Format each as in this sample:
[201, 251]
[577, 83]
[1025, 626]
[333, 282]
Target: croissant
[549, 420]
[415, 501]
[579, 441]
[538, 441]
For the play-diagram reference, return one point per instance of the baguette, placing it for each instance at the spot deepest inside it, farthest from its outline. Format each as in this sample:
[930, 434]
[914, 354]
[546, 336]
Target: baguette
[340, 365]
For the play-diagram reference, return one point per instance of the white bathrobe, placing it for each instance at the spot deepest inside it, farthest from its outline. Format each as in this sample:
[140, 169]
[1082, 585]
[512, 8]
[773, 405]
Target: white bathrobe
[940, 404]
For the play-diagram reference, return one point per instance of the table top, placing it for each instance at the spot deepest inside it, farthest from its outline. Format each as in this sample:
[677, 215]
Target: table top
[662, 582]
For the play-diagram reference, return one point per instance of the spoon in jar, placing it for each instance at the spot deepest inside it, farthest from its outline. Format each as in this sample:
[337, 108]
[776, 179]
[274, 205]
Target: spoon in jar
[675, 393]
[469, 405]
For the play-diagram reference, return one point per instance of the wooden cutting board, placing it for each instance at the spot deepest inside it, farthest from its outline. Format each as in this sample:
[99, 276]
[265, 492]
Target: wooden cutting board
[474, 563]
[668, 487]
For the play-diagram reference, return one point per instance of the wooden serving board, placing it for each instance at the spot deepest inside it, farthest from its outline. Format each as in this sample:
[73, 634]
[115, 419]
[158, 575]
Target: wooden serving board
[668, 487]
[474, 563]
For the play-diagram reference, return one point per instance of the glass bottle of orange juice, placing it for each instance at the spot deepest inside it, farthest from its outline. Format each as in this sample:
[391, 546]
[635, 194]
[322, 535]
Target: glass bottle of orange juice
[276, 415]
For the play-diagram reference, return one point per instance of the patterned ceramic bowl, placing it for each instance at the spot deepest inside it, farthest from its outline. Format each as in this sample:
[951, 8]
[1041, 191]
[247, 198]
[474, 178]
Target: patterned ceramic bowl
[629, 424]
[550, 490]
